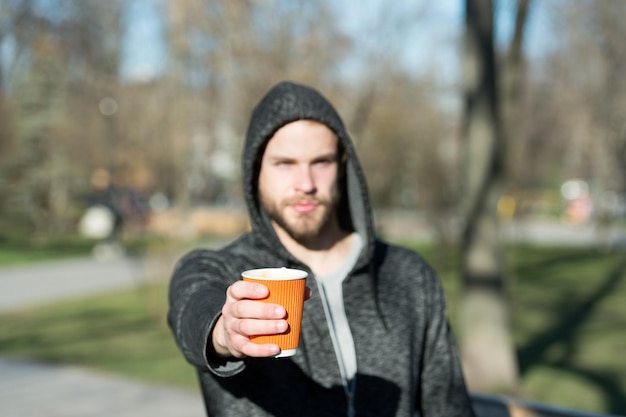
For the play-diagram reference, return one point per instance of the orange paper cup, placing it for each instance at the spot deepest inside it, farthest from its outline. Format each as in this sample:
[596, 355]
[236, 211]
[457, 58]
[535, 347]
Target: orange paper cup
[286, 288]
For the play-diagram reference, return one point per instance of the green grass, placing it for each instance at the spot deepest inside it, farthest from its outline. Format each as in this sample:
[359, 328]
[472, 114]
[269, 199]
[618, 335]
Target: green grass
[15, 252]
[123, 332]
[19, 252]
[569, 318]
[570, 327]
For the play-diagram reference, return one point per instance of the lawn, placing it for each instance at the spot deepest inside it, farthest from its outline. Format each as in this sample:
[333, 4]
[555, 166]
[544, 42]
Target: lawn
[15, 252]
[569, 316]
[18, 252]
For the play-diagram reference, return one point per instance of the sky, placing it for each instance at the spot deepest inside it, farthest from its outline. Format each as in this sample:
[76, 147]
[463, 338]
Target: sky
[144, 58]
[430, 44]
[144, 54]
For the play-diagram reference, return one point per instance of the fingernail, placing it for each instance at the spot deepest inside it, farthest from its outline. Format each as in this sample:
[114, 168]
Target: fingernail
[274, 350]
[281, 326]
[280, 312]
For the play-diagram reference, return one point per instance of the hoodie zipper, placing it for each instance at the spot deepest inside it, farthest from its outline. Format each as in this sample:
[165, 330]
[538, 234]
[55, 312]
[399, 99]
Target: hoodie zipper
[349, 384]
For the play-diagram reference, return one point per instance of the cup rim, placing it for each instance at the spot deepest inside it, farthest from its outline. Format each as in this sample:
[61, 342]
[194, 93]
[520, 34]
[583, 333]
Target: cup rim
[277, 274]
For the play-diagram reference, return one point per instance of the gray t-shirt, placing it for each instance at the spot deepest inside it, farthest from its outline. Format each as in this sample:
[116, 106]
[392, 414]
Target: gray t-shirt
[331, 293]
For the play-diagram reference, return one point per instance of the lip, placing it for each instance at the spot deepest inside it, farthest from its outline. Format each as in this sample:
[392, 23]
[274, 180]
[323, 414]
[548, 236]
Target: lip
[304, 207]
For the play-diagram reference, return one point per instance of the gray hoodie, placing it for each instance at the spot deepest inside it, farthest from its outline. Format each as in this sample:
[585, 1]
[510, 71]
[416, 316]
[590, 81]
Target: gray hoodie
[407, 361]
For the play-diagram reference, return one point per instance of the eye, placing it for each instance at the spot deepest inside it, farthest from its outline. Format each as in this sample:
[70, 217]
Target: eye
[325, 161]
[283, 163]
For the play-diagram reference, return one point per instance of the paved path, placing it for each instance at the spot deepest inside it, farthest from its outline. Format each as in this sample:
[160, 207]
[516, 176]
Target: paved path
[39, 390]
[25, 286]
[30, 389]
[558, 233]
[29, 285]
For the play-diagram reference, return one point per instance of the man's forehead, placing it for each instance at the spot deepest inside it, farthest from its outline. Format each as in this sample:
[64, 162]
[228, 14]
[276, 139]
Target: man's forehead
[303, 124]
[300, 132]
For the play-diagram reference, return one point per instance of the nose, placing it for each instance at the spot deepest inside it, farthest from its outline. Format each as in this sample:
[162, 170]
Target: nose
[305, 182]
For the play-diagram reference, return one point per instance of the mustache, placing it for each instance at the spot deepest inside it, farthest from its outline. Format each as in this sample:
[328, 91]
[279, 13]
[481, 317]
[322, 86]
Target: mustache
[309, 199]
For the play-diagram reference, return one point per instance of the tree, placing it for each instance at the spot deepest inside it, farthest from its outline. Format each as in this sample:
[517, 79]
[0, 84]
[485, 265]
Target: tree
[64, 61]
[221, 56]
[513, 110]
[594, 36]
[486, 345]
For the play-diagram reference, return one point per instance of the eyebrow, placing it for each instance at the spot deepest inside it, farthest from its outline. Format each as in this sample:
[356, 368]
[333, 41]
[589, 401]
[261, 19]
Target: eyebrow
[333, 156]
[278, 157]
[274, 158]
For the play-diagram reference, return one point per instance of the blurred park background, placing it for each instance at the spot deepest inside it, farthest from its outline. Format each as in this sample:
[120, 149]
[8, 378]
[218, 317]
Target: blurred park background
[492, 135]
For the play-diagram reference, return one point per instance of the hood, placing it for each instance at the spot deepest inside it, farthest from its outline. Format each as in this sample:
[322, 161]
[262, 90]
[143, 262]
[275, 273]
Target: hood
[284, 103]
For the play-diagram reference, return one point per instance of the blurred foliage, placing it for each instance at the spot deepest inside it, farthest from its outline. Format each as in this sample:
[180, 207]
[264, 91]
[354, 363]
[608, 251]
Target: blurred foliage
[68, 109]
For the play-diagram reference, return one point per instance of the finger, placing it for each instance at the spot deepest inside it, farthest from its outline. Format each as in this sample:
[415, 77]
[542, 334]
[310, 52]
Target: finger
[251, 328]
[233, 337]
[251, 290]
[242, 346]
[252, 349]
[250, 309]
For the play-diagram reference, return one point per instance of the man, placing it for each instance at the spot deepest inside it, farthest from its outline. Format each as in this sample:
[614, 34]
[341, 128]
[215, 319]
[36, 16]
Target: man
[375, 338]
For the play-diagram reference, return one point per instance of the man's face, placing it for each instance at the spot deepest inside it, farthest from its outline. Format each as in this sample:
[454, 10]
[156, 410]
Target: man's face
[298, 185]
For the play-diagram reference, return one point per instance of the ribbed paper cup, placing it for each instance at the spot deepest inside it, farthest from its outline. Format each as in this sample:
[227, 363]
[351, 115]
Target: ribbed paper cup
[286, 288]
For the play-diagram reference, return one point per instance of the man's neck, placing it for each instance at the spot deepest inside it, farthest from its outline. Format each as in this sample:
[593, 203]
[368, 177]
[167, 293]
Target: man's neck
[325, 255]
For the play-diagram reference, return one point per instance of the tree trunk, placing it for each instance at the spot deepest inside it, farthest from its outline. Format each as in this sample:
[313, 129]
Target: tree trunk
[486, 347]
[512, 87]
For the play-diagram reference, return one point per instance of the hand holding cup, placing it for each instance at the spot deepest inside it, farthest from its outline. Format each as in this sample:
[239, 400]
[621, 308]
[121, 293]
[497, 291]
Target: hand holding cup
[262, 314]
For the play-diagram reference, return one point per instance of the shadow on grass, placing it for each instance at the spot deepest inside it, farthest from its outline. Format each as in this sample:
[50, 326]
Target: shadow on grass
[565, 333]
[534, 265]
[85, 333]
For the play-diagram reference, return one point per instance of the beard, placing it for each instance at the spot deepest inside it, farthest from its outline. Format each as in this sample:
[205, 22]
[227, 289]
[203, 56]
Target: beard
[302, 227]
